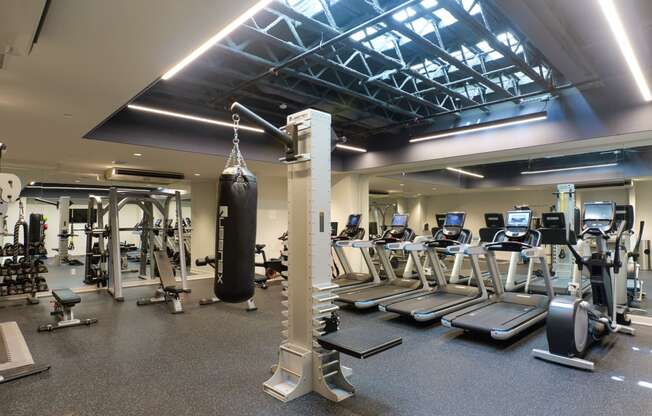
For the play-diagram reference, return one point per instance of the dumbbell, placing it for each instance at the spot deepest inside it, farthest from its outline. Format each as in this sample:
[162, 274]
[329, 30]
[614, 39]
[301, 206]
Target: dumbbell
[4, 291]
[8, 249]
[19, 249]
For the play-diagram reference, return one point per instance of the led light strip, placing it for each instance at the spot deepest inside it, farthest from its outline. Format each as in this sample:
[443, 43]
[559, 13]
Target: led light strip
[465, 172]
[216, 38]
[189, 117]
[611, 14]
[534, 172]
[481, 127]
[352, 148]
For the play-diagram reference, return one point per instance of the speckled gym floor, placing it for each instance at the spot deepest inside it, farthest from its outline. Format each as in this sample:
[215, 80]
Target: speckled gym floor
[212, 361]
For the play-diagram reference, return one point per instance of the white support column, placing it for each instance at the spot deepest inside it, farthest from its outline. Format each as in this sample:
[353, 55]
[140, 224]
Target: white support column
[350, 195]
[64, 217]
[203, 213]
[303, 366]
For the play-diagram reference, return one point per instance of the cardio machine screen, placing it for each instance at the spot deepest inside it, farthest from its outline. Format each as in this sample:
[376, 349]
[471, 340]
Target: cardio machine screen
[598, 212]
[454, 220]
[520, 219]
[354, 220]
[399, 220]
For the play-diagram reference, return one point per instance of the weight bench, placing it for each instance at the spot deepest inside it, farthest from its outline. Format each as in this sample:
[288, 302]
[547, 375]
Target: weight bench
[168, 292]
[64, 301]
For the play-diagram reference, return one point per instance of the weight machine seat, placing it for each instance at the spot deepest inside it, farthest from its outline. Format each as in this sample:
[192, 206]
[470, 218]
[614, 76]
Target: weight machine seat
[260, 247]
[361, 342]
[66, 297]
[173, 289]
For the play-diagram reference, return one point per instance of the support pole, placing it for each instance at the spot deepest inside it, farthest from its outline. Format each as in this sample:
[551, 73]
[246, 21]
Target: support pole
[182, 248]
[115, 270]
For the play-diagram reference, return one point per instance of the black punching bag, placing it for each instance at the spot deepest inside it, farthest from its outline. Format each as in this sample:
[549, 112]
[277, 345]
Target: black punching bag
[236, 235]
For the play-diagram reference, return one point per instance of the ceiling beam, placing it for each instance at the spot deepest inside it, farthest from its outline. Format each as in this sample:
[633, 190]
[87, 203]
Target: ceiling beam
[461, 14]
[393, 63]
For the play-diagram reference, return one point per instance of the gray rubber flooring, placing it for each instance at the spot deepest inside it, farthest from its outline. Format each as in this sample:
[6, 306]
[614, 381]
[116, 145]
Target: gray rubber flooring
[212, 360]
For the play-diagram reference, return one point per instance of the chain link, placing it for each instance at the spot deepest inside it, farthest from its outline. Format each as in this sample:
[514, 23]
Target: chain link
[236, 126]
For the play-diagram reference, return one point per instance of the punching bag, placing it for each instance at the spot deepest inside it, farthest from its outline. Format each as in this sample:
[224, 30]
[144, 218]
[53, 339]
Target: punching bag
[235, 231]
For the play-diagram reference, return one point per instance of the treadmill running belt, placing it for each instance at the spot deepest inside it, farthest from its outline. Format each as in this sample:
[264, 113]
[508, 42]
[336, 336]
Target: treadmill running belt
[351, 279]
[494, 315]
[424, 303]
[373, 293]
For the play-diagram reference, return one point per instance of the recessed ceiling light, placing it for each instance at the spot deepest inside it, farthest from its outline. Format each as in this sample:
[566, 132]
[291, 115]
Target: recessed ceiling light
[352, 148]
[77, 181]
[485, 126]
[197, 174]
[434, 189]
[32, 183]
[401, 184]
[191, 117]
[602, 165]
[618, 29]
[465, 172]
[67, 115]
[138, 154]
[216, 38]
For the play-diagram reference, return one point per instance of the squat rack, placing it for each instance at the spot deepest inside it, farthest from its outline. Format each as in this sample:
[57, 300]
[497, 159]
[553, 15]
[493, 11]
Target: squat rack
[149, 202]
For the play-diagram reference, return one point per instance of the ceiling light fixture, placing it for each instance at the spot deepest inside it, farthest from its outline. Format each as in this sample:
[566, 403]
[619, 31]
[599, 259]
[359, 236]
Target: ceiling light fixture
[216, 38]
[138, 154]
[534, 172]
[465, 172]
[485, 126]
[32, 183]
[351, 148]
[197, 174]
[189, 117]
[613, 18]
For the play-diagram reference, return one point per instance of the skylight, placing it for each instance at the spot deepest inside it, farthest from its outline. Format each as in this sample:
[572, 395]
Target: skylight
[308, 7]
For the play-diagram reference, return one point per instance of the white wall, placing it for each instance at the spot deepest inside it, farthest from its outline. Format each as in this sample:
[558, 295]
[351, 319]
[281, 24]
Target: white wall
[272, 218]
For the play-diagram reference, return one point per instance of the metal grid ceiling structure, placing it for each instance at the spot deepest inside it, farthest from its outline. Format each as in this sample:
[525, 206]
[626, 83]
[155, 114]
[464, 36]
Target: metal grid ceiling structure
[392, 62]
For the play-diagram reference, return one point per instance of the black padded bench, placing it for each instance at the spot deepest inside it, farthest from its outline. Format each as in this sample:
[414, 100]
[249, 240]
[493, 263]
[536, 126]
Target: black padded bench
[361, 342]
[168, 291]
[64, 301]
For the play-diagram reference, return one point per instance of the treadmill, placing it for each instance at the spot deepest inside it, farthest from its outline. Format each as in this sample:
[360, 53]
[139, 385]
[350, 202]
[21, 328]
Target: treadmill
[351, 233]
[372, 294]
[445, 298]
[506, 314]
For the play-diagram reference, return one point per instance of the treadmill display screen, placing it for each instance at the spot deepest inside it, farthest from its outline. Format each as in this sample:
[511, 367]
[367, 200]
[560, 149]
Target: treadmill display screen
[454, 220]
[354, 220]
[598, 212]
[519, 219]
[399, 220]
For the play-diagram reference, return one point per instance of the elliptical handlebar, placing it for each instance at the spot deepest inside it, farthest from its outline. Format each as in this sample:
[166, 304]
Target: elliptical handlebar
[616, 260]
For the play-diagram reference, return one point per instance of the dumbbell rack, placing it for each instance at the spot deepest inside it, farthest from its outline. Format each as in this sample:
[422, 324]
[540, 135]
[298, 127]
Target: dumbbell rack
[21, 278]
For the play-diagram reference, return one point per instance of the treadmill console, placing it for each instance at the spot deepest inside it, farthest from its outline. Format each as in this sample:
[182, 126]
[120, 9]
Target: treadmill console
[352, 230]
[398, 230]
[599, 217]
[518, 223]
[453, 224]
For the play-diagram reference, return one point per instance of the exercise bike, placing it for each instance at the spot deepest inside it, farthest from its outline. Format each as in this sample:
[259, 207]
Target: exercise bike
[573, 324]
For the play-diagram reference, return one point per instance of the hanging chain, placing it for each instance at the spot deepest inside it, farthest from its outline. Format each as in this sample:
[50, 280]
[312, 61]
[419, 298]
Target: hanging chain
[236, 126]
[235, 158]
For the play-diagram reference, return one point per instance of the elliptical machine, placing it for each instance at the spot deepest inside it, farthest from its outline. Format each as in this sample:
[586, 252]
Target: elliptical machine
[573, 324]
